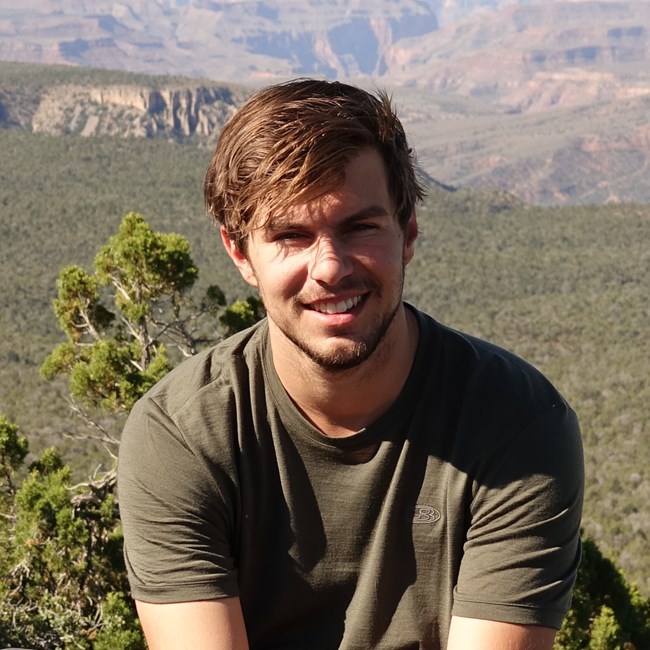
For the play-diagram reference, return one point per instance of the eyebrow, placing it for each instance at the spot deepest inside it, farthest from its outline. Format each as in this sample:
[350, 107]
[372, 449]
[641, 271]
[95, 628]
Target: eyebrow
[373, 210]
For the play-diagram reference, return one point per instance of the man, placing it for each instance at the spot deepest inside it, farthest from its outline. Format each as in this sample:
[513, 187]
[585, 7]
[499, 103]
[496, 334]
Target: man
[348, 473]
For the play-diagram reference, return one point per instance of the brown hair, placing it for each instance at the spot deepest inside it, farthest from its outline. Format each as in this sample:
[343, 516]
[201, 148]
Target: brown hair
[291, 142]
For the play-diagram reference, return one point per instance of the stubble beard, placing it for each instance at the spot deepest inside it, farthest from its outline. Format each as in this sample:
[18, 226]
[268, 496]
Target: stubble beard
[353, 352]
[349, 356]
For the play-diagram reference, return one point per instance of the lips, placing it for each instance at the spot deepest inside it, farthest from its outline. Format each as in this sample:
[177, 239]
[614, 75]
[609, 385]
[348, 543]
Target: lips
[340, 307]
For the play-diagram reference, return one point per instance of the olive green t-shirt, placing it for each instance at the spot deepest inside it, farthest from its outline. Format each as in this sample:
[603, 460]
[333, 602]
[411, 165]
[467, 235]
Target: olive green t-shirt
[464, 498]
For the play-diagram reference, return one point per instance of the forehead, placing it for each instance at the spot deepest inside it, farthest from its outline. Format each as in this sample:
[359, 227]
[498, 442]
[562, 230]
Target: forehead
[363, 191]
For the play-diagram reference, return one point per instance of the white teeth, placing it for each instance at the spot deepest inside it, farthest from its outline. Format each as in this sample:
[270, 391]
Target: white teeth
[337, 307]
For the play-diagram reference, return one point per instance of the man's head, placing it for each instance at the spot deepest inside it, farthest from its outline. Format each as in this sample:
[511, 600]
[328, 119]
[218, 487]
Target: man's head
[290, 143]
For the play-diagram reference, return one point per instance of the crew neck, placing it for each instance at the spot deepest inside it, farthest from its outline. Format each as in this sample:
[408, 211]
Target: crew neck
[386, 426]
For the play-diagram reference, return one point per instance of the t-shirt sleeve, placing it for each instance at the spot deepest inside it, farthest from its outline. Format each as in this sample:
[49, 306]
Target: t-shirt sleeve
[522, 548]
[177, 513]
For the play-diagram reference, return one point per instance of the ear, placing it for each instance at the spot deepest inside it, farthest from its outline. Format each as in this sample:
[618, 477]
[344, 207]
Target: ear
[239, 258]
[410, 235]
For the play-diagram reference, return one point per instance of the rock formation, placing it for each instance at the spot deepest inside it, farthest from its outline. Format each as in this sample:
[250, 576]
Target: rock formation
[133, 111]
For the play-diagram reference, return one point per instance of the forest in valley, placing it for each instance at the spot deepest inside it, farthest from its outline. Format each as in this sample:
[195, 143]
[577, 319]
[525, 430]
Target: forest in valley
[566, 288]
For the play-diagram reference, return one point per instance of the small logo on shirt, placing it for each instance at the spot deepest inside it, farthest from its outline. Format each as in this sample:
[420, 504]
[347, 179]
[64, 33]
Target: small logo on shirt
[424, 515]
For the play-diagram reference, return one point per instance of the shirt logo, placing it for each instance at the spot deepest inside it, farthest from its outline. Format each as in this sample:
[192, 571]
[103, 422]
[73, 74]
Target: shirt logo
[424, 515]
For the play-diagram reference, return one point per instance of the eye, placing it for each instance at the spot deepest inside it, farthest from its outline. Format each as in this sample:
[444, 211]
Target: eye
[287, 236]
[291, 238]
[363, 227]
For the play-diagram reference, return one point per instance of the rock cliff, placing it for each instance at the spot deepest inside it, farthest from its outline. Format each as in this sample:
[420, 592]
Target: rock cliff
[514, 52]
[178, 113]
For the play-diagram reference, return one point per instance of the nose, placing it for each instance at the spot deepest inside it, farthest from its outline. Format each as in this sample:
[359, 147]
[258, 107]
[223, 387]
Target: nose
[330, 262]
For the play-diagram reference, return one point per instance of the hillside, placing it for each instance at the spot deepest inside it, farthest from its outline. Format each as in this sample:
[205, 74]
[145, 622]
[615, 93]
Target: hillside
[527, 55]
[532, 56]
[578, 154]
[547, 100]
[566, 288]
[60, 100]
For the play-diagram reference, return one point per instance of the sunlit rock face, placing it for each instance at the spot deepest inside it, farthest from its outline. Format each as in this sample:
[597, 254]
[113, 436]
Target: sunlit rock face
[175, 112]
[523, 54]
[493, 92]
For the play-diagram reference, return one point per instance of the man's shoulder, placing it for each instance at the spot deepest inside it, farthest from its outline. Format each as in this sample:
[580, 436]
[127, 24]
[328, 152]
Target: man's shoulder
[210, 371]
[489, 372]
[498, 400]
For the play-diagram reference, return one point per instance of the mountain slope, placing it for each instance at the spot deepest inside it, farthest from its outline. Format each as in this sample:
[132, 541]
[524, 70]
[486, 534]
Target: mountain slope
[547, 100]
[584, 154]
[536, 56]
[523, 54]
[60, 100]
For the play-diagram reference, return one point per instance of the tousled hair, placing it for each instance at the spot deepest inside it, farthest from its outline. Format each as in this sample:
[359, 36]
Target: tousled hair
[291, 142]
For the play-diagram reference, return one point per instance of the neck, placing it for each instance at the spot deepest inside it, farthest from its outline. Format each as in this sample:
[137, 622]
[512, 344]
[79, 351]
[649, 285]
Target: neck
[341, 402]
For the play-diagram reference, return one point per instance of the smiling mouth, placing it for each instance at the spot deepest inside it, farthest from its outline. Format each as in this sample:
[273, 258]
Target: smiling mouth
[336, 307]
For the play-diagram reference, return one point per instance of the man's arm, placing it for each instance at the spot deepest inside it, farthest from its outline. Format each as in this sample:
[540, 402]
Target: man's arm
[479, 634]
[197, 625]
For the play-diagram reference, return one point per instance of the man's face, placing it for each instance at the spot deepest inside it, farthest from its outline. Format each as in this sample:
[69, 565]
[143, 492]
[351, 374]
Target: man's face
[331, 271]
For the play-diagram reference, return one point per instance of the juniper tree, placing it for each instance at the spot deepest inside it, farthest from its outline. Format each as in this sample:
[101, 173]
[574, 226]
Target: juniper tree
[131, 320]
[126, 324]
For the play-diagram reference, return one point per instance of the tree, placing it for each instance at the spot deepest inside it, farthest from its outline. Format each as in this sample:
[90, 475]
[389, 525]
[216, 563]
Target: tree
[114, 354]
[126, 325]
[64, 584]
[607, 612]
[13, 450]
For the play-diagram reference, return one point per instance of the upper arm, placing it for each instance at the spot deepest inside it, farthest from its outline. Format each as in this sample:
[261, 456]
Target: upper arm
[522, 547]
[481, 634]
[197, 625]
[178, 512]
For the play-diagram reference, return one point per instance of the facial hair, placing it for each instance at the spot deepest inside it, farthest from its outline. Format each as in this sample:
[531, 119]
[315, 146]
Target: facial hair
[356, 352]
[351, 357]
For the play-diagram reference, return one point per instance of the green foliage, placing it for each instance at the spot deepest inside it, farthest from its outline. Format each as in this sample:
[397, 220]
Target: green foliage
[607, 613]
[34, 77]
[605, 631]
[13, 450]
[120, 630]
[64, 584]
[61, 544]
[145, 267]
[102, 374]
[78, 306]
[242, 314]
[114, 355]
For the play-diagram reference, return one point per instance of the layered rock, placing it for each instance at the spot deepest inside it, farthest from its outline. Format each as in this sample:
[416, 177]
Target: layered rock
[515, 52]
[133, 111]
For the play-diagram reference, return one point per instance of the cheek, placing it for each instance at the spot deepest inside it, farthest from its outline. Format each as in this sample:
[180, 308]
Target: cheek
[280, 279]
[385, 259]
